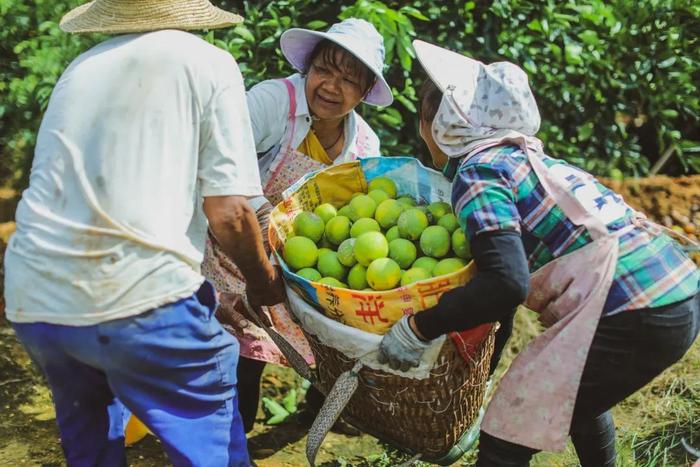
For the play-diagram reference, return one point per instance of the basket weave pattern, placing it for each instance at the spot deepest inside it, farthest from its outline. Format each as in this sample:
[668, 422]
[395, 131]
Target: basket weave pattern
[425, 416]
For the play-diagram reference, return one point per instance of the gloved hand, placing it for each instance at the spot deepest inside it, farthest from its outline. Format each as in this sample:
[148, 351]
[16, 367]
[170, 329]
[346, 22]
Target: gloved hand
[401, 348]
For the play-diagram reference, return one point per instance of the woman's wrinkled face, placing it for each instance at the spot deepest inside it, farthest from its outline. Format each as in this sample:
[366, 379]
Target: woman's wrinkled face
[439, 157]
[333, 91]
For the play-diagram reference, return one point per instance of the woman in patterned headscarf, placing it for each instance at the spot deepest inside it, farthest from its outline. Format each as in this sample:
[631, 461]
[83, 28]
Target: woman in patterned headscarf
[618, 295]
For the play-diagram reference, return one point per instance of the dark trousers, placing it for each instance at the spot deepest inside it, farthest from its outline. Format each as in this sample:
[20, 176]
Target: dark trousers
[249, 373]
[629, 349]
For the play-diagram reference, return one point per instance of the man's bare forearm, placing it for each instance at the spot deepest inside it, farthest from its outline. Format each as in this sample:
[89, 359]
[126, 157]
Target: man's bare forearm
[235, 226]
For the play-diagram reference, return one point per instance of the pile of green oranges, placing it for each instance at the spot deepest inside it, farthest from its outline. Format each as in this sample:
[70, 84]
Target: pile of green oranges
[377, 241]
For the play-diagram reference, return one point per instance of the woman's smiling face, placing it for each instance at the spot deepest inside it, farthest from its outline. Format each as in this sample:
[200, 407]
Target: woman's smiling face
[335, 84]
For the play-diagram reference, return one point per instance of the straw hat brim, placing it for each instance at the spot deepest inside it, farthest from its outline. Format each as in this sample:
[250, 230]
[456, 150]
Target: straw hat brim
[297, 44]
[98, 17]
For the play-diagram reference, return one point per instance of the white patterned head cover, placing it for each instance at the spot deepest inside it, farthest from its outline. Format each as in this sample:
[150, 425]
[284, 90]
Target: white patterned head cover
[482, 105]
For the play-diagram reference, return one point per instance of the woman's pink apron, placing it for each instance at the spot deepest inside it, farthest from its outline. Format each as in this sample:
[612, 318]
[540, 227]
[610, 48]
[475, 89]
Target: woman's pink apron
[534, 403]
[286, 167]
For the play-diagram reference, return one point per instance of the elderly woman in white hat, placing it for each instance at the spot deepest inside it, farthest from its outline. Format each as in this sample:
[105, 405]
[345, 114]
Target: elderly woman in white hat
[301, 123]
[619, 296]
[145, 139]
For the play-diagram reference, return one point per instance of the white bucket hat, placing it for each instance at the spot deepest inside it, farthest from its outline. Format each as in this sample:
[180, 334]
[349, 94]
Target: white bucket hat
[357, 36]
[129, 16]
[481, 104]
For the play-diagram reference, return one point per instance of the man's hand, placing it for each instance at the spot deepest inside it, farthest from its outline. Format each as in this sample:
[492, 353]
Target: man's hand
[401, 347]
[233, 312]
[235, 226]
[267, 294]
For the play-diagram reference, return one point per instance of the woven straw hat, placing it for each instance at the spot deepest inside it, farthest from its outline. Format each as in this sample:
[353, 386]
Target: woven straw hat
[128, 16]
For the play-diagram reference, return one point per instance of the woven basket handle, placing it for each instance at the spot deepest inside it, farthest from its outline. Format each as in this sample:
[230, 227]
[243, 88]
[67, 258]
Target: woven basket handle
[336, 400]
[293, 357]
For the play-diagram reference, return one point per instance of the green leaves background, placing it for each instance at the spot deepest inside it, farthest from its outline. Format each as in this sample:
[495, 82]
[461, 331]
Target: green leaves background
[616, 81]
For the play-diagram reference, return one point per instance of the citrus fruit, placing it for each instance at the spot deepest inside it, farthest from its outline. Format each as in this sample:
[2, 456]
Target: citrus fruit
[329, 266]
[366, 224]
[325, 211]
[414, 275]
[388, 212]
[309, 225]
[460, 244]
[439, 209]
[323, 251]
[383, 274]
[345, 253]
[435, 241]
[357, 277]
[411, 223]
[407, 201]
[403, 252]
[300, 252]
[344, 211]
[361, 206]
[426, 263]
[449, 222]
[392, 233]
[448, 265]
[378, 196]
[385, 184]
[427, 213]
[370, 246]
[338, 229]
[310, 274]
[332, 281]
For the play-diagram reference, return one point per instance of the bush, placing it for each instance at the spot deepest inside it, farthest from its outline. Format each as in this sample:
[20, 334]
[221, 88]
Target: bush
[616, 81]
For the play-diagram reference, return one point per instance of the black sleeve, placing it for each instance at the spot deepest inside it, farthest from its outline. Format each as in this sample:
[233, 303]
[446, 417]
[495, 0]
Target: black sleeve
[500, 285]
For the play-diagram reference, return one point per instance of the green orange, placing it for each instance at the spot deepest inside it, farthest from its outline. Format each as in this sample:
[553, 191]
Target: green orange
[411, 223]
[435, 241]
[403, 252]
[385, 184]
[363, 225]
[370, 246]
[383, 274]
[309, 225]
[300, 252]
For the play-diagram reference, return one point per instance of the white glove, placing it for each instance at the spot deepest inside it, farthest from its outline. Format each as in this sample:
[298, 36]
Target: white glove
[401, 348]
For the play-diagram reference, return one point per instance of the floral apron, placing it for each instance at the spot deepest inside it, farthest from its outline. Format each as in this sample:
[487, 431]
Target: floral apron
[286, 167]
[534, 403]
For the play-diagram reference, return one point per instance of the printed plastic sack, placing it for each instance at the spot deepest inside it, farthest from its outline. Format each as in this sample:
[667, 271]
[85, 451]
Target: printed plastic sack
[372, 311]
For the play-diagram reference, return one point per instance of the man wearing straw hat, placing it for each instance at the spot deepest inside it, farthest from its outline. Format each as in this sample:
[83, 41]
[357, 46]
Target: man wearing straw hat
[146, 137]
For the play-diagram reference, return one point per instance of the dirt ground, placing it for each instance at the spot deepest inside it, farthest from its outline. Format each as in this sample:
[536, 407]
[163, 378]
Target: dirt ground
[652, 423]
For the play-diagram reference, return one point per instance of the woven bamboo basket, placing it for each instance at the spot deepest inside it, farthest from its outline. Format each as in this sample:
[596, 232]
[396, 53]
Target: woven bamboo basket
[426, 417]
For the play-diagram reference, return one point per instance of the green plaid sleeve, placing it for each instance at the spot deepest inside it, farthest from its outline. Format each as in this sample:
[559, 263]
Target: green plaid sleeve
[484, 200]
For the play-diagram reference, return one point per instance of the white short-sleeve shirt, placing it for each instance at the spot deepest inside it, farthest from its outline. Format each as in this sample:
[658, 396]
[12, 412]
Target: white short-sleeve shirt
[138, 130]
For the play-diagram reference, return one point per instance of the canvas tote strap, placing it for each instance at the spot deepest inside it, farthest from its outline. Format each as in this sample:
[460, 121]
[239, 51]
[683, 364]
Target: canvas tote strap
[295, 358]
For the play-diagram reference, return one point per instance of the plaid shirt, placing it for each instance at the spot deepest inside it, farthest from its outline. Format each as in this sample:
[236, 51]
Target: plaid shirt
[498, 190]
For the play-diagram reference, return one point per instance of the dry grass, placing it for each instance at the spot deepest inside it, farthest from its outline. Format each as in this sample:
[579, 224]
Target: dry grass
[651, 423]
